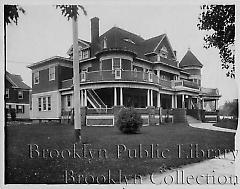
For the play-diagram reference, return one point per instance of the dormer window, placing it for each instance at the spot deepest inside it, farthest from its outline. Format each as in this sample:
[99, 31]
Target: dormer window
[129, 40]
[85, 54]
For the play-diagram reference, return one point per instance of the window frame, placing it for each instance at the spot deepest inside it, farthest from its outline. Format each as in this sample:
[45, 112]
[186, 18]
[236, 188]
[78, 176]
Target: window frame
[44, 103]
[7, 93]
[120, 63]
[22, 109]
[51, 73]
[20, 97]
[68, 101]
[49, 105]
[36, 75]
[85, 54]
[39, 104]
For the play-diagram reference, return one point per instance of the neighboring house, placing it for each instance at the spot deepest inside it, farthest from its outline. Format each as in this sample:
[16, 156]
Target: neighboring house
[17, 95]
[119, 68]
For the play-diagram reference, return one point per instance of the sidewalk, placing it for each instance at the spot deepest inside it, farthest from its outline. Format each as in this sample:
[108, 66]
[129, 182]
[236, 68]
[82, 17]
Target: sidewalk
[213, 171]
[210, 126]
[220, 170]
[198, 124]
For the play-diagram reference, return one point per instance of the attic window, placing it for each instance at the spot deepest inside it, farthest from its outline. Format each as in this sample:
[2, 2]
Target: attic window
[163, 52]
[129, 40]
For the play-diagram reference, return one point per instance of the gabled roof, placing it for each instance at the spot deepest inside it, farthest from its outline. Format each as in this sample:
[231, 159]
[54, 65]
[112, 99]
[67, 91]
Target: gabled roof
[118, 38]
[85, 43]
[125, 40]
[150, 44]
[190, 60]
[16, 81]
[115, 34]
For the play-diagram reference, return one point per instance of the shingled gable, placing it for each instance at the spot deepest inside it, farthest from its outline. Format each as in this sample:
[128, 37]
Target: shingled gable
[16, 81]
[151, 44]
[190, 60]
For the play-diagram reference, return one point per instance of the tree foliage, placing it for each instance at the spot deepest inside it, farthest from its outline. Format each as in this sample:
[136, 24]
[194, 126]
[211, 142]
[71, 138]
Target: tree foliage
[230, 109]
[220, 21]
[71, 11]
[11, 13]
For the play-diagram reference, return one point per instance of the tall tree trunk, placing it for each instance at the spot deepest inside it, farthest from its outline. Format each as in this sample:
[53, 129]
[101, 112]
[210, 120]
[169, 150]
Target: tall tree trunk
[76, 81]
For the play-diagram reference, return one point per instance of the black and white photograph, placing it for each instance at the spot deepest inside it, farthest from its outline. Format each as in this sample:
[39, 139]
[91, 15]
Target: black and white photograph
[122, 93]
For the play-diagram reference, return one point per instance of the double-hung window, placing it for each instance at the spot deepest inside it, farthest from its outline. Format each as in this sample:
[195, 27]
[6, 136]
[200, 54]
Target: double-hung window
[49, 103]
[39, 104]
[20, 109]
[36, 77]
[20, 94]
[44, 103]
[68, 101]
[7, 93]
[116, 63]
[52, 73]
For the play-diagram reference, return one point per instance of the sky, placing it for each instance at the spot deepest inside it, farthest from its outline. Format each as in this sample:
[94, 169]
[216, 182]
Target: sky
[43, 32]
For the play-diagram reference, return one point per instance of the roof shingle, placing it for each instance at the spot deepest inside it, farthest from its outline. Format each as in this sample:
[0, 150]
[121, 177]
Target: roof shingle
[190, 60]
[16, 80]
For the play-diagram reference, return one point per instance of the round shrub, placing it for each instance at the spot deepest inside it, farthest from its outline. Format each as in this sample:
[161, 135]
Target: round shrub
[129, 121]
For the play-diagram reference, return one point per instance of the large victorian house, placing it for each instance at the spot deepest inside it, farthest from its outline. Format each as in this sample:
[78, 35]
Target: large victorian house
[120, 68]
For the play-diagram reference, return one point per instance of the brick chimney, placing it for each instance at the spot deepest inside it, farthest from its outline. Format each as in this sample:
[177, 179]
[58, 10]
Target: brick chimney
[94, 35]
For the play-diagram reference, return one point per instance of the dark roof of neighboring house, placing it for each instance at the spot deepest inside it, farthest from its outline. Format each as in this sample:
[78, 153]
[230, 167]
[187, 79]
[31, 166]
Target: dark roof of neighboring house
[190, 60]
[16, 81]
[210, 92]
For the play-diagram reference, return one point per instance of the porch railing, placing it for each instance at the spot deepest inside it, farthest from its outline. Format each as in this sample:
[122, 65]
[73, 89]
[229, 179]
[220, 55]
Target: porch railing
[128, 75]
[185, 83]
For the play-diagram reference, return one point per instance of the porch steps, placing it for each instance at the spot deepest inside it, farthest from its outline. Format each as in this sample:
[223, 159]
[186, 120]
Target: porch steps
[95, 100]
[191, 119]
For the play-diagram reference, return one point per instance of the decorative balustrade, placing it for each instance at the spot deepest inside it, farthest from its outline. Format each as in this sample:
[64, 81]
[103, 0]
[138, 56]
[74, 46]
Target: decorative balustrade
[134, 76]
[185, 83]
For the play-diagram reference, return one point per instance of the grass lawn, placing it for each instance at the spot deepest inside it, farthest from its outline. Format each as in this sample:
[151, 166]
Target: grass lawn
[227, 123]
[48, 168]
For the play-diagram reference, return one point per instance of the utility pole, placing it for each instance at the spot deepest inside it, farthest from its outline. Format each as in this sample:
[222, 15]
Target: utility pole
[76, 81]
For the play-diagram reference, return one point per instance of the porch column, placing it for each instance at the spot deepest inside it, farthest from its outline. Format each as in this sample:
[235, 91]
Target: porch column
[189, 102]
[115, 96]
[158, 100]
[148, 97]
[216, 104]
[173, 104]
[203, 104]
[151, 104]
[175, 100]
[158, 73]
[85, 99]
[81, 92]
[121, 96]
[183, 104]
